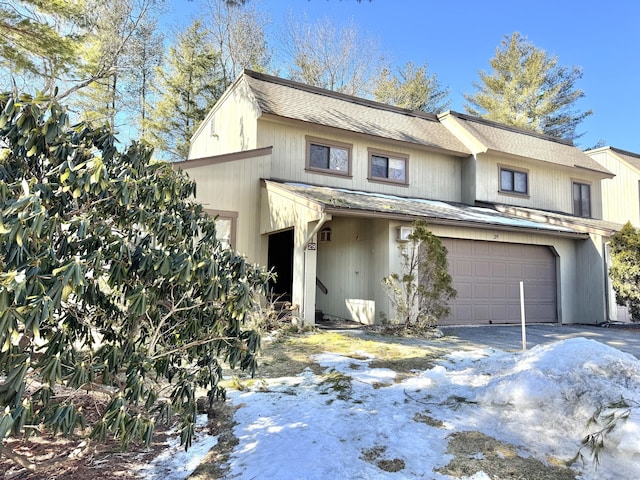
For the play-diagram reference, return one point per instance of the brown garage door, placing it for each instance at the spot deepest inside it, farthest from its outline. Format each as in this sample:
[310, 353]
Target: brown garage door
[487, 276]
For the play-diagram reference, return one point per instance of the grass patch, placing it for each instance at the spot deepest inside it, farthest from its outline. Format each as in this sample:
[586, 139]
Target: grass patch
[474, 452]
[428, 420]
[373, 454]
[337, 382]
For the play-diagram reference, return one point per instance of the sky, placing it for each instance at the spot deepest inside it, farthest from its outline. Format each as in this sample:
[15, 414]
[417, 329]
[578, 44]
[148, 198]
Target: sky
[539, 401]
[458, 38]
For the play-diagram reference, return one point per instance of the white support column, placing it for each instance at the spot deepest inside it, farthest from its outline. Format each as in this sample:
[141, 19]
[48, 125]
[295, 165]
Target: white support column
[309, 298]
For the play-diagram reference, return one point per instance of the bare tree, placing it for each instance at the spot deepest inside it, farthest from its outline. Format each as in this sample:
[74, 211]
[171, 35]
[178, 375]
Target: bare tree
[339, 59]
[238, 32]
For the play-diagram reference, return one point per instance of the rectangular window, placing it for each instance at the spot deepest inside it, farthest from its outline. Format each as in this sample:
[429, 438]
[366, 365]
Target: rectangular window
[514, 181]
[581, 199]
[387, 167]
[225, 226]
[328, 157]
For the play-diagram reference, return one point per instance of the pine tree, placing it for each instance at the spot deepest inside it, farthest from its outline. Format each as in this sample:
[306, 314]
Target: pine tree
[188, 86]
[528, 89]
[413, 88]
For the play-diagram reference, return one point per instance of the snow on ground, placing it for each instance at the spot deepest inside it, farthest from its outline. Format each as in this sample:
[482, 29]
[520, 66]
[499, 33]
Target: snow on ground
[318, 427]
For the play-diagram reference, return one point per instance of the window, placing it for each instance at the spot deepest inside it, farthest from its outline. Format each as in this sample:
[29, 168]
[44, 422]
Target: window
[328, 157]
[514, 181]
[387, 167]
[325, 235]
[225, 226]
[581, 199]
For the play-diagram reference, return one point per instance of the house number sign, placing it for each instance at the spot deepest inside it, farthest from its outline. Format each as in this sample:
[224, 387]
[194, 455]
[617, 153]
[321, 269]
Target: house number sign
[311, 246]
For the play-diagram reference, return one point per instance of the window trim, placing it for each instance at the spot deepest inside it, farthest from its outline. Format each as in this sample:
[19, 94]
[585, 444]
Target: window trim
[513, 170]
[389, 155]
[328, 143]
[226, 215]
[576, 181]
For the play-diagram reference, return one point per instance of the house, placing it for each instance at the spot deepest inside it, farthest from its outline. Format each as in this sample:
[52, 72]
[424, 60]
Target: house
[620, 200]
[323, 187]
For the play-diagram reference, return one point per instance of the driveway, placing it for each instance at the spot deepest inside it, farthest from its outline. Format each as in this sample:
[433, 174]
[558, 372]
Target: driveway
[509, 337]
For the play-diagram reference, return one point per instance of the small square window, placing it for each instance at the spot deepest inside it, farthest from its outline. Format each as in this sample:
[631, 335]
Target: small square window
[226, 223]
[333, 158]
[387, 167]
[581, 199]
[514, 181]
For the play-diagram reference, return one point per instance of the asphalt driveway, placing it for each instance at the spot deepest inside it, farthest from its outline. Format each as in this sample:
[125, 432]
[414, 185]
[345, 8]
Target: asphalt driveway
[509, 337]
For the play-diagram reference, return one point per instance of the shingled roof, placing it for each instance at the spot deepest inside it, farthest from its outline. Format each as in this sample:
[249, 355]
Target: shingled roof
[633, 159]
[510, 140]
[293, 100]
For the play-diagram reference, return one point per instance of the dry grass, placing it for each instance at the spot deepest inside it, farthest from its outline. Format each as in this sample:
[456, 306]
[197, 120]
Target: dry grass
[474, 452]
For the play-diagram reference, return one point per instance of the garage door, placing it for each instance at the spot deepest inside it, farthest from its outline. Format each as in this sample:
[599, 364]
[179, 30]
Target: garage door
[487, 277]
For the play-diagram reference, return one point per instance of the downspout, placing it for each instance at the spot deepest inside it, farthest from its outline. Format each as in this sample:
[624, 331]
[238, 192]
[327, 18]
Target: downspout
[324, 219]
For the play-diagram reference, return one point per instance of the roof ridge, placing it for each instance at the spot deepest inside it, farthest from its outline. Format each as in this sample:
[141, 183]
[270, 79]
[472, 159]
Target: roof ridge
[511, 128]
[625, 152]
[341, 96]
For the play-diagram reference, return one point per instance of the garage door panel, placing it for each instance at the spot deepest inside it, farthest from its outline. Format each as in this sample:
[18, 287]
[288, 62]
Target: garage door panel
[487, 276]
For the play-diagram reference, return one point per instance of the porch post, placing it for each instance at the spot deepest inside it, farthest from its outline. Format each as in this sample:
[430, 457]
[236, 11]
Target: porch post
[309, 296]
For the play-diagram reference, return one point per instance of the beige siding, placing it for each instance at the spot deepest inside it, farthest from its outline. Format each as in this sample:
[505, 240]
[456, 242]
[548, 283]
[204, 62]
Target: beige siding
[620, 195]
[431, 175]
[282, 211]
[229, 127]
[345, 266]
[239, 192]
[549, 185]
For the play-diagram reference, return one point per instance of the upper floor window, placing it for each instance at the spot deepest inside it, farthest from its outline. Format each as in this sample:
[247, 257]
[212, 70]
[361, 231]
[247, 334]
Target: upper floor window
[514, 181]
[328, 156]
[388, 167]
[581, 199]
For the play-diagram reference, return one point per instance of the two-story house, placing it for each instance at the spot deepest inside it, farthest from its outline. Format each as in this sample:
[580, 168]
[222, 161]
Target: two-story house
[620, 200]
[322, 187]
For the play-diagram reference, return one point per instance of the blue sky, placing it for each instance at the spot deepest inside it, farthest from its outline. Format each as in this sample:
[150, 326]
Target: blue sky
[458, 37]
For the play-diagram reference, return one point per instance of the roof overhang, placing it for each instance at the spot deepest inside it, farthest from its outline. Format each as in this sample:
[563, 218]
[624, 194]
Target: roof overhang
[351, 203]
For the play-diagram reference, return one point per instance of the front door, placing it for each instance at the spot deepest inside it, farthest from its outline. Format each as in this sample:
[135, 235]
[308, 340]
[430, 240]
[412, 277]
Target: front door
[280, 261]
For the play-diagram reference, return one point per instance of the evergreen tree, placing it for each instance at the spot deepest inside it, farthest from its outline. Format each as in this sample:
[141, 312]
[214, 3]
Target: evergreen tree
[413, 88]
[528, 89]
[188, 86]
[625, 268]
[40, 40]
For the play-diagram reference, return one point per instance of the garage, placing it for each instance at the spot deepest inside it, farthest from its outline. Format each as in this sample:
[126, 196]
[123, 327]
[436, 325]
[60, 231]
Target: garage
[487, 277]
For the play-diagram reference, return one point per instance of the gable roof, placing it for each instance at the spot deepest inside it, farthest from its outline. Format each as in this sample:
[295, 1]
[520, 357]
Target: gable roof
[297, 101]
[630, 158]
[486, 135]
[341, 201]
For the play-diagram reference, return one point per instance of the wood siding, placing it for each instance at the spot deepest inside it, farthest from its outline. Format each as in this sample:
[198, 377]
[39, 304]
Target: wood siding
[549, 185]
[229, 127]
[620, 195]
[235, 186]
[431, 175]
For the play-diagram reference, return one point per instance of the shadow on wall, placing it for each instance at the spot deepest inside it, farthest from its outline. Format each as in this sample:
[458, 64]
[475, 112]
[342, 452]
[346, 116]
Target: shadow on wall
[361, 311]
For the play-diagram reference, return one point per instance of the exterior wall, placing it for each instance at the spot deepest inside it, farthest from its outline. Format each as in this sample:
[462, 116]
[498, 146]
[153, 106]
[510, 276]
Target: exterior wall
[431, 175]
[239, 192]
[218, 135]
[549, 185]
[346, 266]
[620, 195]
[279, 212]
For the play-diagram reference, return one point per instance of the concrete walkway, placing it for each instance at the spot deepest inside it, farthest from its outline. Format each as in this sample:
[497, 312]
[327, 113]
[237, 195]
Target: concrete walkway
[509, 337]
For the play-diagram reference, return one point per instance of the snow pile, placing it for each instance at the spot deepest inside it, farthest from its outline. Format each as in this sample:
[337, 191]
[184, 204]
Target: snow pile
[544, 401]
[354, 420]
